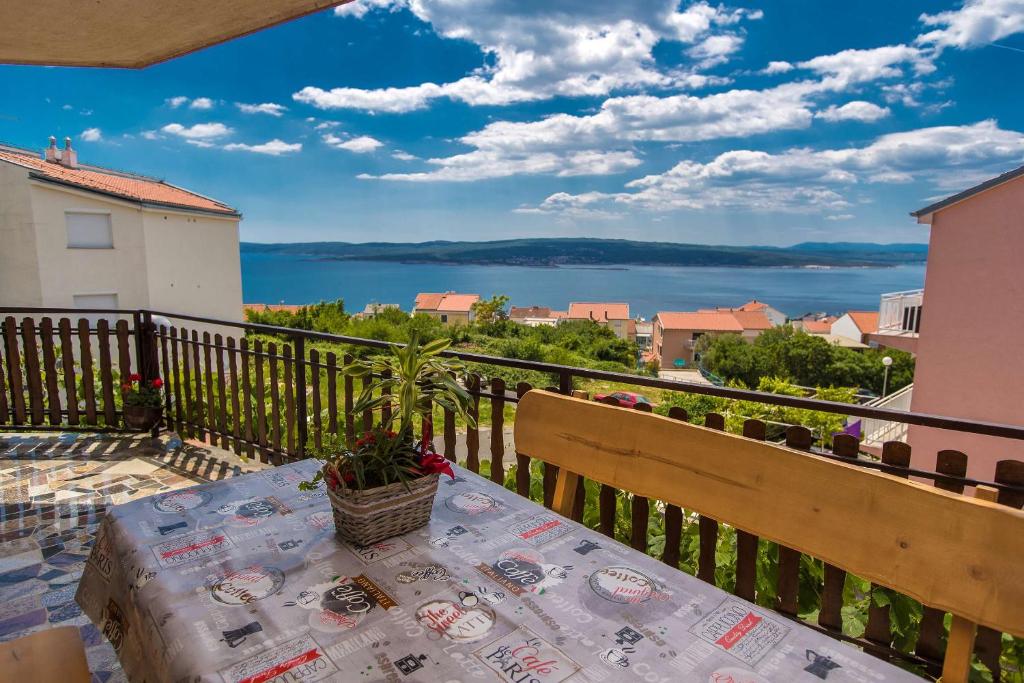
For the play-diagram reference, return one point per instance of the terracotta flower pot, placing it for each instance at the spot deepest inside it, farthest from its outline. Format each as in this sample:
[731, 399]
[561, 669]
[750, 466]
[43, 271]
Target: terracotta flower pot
[142, 418]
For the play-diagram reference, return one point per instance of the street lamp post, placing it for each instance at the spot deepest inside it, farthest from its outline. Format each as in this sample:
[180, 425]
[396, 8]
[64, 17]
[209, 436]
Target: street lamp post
[887, 362]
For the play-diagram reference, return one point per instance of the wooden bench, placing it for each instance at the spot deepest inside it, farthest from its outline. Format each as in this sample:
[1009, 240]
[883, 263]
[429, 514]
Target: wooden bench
[55, 655]
[958, 554]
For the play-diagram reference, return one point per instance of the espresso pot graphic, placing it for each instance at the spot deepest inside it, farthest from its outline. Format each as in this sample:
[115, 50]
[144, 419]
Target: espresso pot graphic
[820, 665]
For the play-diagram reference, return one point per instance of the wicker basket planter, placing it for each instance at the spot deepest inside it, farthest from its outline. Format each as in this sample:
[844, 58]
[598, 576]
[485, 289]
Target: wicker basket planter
[142, 418]
[365, 517]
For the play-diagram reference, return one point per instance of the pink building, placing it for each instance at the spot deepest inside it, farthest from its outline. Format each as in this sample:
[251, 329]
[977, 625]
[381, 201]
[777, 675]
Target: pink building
[969, 360]
[676, 333]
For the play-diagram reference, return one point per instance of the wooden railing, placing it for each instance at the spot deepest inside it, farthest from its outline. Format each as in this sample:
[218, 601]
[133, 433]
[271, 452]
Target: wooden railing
[268, 393]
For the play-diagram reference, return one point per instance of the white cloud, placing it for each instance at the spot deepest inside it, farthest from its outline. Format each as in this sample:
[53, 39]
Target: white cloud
[175, 102]
[851, 67]
[326, 125]
[364, 144]
[205, 144]
[858, 110]
[777, 68]
[67, 107]
[150, 135]
[976, 23]
[715, 49]
[485, 164]
[806, 180]
[201, 103]
[403, 156]
[265, 108]
[91, 135]
[273, 147]
[840, 217]
[200, 131]
[542, 50]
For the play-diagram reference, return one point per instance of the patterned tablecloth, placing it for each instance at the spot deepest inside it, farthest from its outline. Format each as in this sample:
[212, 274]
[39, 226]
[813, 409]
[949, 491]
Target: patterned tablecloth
[244, 580]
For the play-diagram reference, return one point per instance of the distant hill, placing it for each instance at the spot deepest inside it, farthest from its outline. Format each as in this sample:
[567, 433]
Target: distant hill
[566, 251]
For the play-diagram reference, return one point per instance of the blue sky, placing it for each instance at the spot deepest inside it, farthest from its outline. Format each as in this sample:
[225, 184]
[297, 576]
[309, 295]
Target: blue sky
[769, 122]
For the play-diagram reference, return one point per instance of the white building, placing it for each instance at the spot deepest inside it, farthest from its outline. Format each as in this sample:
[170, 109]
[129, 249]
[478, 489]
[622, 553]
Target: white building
[78, 236]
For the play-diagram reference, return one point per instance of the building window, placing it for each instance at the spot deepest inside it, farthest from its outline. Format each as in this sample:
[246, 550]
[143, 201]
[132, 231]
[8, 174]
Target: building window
[94, 301]
[89, 230]
[444, 318]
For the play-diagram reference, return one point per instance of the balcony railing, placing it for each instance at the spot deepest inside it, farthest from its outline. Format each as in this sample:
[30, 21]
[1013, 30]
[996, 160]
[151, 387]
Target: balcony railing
[877, 432]
[899, 313]
[266, 392]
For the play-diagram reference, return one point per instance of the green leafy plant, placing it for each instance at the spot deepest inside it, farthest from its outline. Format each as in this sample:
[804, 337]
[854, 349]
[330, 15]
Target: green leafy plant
[136, 392]
[410, 379]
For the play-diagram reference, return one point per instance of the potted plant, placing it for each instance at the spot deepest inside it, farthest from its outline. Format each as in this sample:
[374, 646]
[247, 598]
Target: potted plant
[384, 485]
[143, 405]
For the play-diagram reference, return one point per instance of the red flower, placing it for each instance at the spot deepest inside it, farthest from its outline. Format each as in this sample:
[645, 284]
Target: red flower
[135, 377]
[432, 463]
[348, 477]
[126, 387]
[157, 383]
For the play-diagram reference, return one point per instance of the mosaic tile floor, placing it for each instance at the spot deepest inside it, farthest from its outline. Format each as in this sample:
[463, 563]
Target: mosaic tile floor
[54, 489]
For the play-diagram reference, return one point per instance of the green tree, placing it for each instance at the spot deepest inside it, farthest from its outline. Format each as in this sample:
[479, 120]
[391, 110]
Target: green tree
[489, 310]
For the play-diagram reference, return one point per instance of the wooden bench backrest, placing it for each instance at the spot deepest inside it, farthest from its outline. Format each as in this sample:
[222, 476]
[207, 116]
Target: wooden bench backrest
[951, 552]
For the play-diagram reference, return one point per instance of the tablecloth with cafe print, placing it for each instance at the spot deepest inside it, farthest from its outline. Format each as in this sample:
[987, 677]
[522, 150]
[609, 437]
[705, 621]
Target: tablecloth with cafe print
[244, 581]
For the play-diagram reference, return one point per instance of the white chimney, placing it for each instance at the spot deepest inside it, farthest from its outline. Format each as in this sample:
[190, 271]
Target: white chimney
[69, 157]
[52, 153]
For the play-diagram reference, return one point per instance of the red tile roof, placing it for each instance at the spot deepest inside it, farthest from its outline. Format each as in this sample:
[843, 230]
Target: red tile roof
[866, 321]
[818, 326]
[529, 312]
[448, 301]
[715, 321]
[122, 185]
[600, 311]
[752, 320]
[754, 305]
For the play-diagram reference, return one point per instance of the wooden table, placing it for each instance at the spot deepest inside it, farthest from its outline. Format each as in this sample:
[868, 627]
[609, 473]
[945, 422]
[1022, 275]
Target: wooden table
[245, 581]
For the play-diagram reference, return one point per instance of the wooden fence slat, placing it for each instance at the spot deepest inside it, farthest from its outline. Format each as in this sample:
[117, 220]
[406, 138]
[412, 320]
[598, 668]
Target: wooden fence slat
[200, 408]
[830, 615]
[707, 527]
[165, 376]
[988, 644]
[186, 379]
[124, 354]
[236, 418]
[314, 384]
[88, 382]
[261, 402]
[879, 628]
[15, 383]
[674, 513]
[788, 587]
[275, 405]
[607, 501]
[172, 381]
[106, 371]
[367, 413]
[932, 628]
[67, 360]
[385, 409]
[33, 377]
[350, 419]
[747, 543]
[473, 432]
[498, 431]
[289, 398]
[211, 401]
[450, 438]
[247, 401]
[221, 396]
[5, 408]
[53, 403]
[522, 459]
[332, 392]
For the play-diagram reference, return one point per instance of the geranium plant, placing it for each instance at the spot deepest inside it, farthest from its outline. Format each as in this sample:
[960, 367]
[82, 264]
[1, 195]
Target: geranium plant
[136, 392]
[411, 379]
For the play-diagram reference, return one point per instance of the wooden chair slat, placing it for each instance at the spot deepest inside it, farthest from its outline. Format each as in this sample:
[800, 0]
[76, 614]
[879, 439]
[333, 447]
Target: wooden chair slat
[747, 543]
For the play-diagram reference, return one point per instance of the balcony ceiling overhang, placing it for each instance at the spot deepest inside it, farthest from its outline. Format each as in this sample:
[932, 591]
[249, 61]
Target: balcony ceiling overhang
[132, 33]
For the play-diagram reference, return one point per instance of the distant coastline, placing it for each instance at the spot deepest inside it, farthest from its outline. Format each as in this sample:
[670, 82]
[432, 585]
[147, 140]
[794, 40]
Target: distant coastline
[605, 254]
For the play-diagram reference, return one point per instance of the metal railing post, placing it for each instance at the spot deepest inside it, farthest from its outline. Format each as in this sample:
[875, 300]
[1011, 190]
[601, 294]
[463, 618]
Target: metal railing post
[301, 421]
[565, 382]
